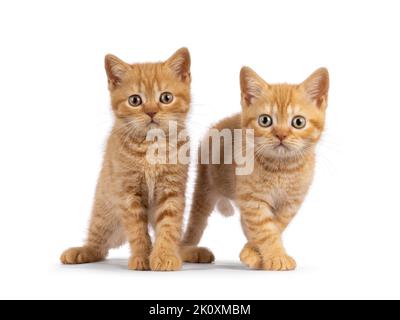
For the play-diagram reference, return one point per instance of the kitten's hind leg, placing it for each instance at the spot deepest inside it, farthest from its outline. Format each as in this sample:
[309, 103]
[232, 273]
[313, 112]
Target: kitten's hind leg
[193, 254]
[105, 232]
[80, 255]
[204, 201]
[251, 257]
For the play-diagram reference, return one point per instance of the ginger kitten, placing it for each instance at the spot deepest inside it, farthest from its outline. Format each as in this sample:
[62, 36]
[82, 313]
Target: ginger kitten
[131, 192]
[288, 121]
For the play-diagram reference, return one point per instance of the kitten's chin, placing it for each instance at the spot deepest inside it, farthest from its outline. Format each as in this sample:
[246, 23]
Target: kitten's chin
[282, 152]
[152, 126]
[157, 128]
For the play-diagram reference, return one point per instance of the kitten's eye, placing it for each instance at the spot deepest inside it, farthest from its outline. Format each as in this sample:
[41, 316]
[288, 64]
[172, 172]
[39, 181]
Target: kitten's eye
[166, 98]
[299, 122]
[265, 121]
[135, 100]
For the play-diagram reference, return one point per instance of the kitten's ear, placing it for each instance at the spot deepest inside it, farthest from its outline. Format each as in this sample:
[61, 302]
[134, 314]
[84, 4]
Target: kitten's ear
[179, 63]
[251, 85]
[115, 69]
[317, 87]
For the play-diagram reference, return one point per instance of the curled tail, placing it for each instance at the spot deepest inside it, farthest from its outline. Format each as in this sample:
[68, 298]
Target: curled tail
[225, 207]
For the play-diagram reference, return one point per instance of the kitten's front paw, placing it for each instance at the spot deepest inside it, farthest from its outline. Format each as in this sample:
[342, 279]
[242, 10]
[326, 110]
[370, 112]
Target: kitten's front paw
[139, 263]
[279, 263]
[165, 261]
[194, 254]
[251, 257]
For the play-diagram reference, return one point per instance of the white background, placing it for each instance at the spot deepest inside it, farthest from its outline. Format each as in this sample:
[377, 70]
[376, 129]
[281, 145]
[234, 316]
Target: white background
[55, 117]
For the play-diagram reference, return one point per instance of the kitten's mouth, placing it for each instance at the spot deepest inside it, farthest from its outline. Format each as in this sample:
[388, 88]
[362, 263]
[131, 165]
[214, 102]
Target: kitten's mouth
[281, 146]
[153, 122]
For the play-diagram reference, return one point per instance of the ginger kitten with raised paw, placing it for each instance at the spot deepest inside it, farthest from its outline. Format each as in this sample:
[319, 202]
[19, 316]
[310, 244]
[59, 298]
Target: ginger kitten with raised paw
[288, 121]
[131, 192]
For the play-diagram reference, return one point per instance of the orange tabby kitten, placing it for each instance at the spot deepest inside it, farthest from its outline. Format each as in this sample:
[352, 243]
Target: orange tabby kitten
[288, 121]
[132, 192]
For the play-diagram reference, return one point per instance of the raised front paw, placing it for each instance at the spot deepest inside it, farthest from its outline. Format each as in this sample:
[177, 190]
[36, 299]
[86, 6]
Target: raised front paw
[165, 261]
[139, 263]
[281, 262]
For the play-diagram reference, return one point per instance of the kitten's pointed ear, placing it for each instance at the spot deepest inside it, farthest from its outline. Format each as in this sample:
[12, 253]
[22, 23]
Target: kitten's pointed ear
[179, 63]
[317, 87]
[251, 85]
[115, 69]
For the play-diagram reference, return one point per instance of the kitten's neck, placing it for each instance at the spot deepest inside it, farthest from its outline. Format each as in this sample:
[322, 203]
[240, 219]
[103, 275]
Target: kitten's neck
[129, 138]
[287, 164]
[124, 137]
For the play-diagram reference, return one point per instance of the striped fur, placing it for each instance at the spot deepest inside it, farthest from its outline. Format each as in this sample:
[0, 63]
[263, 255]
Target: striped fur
[272, 194]
[132, 193]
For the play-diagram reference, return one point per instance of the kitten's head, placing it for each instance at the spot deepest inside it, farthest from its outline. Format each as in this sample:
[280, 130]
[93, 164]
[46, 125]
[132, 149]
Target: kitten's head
[149, 95]
[288, 120]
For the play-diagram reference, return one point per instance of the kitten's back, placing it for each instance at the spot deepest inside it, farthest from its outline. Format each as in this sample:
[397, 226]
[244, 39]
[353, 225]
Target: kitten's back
[223, 175]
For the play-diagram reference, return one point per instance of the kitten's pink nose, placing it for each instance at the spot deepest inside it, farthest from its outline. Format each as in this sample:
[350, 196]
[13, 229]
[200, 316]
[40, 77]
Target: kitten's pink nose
[151, 114]
[281, 136]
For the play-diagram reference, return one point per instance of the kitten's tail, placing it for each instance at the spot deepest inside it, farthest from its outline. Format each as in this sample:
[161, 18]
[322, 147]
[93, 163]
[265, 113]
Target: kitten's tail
[225, 207]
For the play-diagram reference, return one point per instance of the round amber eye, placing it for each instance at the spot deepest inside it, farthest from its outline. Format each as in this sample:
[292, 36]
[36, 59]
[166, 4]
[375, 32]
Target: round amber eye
[299, 122]
[265, 121]
[135, 100]
[166, 98]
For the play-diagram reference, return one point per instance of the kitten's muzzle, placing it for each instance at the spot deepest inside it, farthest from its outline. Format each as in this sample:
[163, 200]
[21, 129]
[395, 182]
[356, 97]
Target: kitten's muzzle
[151, 114]
[281, 145]
[152, 120]
[281, 136]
